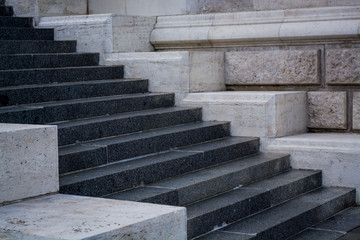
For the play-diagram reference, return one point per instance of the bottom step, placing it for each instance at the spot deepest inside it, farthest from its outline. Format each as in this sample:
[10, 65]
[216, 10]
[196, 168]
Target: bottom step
[288, 219]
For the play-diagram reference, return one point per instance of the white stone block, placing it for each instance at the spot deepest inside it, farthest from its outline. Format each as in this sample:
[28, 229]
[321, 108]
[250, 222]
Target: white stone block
[75, 217]
[336, 154]
[107, 6]
[178, 72]
[356, 111]
[28, 160]
[257, 114]
[155, 7]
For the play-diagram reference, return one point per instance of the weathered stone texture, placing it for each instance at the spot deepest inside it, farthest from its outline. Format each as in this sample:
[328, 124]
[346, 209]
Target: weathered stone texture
[287, 4]
[216, 6]
[327, 110]
[293, 67]
[343, 66]
[356, 111]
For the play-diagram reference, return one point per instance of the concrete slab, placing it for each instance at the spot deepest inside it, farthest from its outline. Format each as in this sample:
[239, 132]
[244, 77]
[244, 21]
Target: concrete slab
[336, 154]
[90, 218]
[28, 161]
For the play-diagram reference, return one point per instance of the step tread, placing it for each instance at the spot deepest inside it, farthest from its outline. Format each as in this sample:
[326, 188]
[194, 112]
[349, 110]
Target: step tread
[298, 208]
[144, 160]
[24, 22]
[21, 33]
[36, 46]
[199, 177]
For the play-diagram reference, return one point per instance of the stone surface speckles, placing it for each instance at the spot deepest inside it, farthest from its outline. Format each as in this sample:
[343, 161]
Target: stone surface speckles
[277, 67]
[90, 218]
[356, 111]
[327, 110]
[343, 66]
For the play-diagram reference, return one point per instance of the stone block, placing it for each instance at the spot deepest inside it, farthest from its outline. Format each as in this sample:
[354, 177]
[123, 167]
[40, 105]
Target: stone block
[356, 111]
[28, 160]
[62, 7]
[90, 218]
[327, 110]
[107, 6]
[216, 6]
[155, 7]
[261, 5]
[255, 114]
[178, 72]
[293, 67]
[343, 66]
[336, 154]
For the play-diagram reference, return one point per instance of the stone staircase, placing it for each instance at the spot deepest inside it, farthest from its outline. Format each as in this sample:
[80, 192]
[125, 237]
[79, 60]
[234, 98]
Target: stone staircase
[119, 141]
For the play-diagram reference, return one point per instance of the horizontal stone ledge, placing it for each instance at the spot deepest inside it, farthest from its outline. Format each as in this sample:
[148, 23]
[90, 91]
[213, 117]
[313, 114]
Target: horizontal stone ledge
[257, 28]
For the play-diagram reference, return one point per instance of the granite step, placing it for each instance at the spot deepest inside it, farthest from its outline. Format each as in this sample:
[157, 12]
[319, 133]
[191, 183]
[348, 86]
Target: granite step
[37, 93]
[26, 33]
[339, 226]
[47, 112]
[48, 60]
[7, 11]
[2, 2]
[106, 126]
[68, 74]
[289, 218]
[147, 169]
[195, 186]
[36, 46]
[212, 213]
[13, 22]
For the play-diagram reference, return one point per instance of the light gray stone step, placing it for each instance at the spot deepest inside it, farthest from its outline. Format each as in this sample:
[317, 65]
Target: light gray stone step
[36, 93]
[336, 227]
[207, 182]
[124, 175]
[290, 218]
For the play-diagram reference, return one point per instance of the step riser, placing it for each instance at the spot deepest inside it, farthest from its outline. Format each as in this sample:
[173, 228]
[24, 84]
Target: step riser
[207, 222]
[58, 93]
[12, 22]
[24, 77]
[26, 34]
[26, 47]
[308, 219]
[123, 126]
[40, 115]
[173, 166]
[138, 148]
[6, 11]
[8, 62]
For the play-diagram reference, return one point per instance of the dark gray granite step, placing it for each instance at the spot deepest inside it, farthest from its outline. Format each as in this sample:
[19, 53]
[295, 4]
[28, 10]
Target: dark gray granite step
[21, 22]
[36, 46]
[26, 34]
[285, 220]
[40, 113]
[333, 228]
[194, 186]
[2, 2]
[6, 11]
[47, 60]
[148, 169]
[69, 74]
[105, 126]
[72, 90]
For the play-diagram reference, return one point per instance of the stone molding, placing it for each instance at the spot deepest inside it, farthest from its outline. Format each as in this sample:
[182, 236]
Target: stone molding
[311, 25]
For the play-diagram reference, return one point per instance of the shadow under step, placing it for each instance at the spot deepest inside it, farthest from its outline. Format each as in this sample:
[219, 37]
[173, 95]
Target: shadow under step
[115, 177]
[13, 22]
[110, 125]
[204, 183]
[289, 218]
[48, 112]
[50, 75]
[26, 94]
[36, 46]
[7, 33]
[49, 60]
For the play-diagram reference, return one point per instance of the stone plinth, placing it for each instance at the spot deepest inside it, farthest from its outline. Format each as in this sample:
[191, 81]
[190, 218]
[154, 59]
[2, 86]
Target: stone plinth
[75, 217]
[343, 66]
[327, 110]
[28, 160]
[356, 111]
[272, 67]
[178, 72]
[256, 114]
